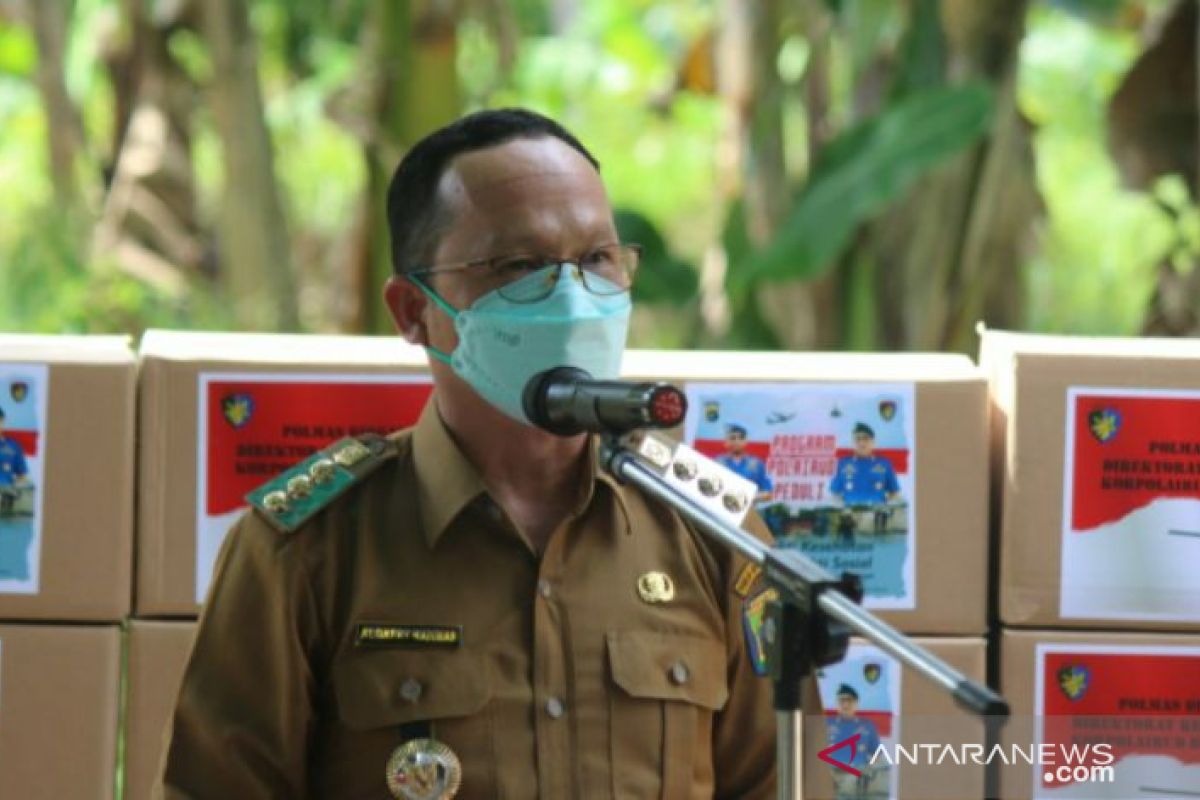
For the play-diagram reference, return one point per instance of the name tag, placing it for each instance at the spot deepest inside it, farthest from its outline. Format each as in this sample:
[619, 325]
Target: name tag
[371, 634]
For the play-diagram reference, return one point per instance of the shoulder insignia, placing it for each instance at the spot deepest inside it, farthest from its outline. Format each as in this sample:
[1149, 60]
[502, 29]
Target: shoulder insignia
[754, 614]
[746, 579]
[295, 495]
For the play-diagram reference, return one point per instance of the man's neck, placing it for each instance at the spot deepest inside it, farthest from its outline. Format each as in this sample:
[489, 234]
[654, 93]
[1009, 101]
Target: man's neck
[533, 475]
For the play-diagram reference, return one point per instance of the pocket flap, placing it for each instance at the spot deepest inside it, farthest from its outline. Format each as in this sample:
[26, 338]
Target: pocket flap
[380, 688]
[669, 666]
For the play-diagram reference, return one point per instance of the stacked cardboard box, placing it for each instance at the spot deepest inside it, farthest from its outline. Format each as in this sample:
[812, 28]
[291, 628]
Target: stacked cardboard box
[66, 538]
[1097, 465]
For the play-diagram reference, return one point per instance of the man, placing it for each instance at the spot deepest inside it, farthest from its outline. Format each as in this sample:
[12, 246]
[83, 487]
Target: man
[846, 725]
[749, 467]
[13, 470]
[480, 605]
[865, 479]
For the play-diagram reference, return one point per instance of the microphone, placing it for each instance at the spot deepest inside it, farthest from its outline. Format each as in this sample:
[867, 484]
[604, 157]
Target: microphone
[566, 401]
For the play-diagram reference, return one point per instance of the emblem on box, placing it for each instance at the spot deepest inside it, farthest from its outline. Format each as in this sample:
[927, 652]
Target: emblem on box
[237, 408]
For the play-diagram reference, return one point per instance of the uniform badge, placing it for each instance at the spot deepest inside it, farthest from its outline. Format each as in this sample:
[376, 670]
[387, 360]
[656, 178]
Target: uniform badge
[18, 390]
[754, 614]
[237, 408]
[656, 587]
[746, 579]
[1104, 423]
[1073, 680]
[424, 769]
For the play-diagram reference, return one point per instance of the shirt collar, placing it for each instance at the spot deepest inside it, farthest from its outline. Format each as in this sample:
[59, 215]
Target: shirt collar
[447, 481]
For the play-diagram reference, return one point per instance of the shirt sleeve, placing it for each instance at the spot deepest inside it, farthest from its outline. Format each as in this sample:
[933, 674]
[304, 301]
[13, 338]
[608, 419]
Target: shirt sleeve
[244, 715]
[764, 480]
[20, 468]
[892, 484]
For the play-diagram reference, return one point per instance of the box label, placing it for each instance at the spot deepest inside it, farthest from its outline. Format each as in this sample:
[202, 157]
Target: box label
[23, 391]
[1141, 702]
[836, 469]
[861, 699]
[1131, 505]
[254, 426]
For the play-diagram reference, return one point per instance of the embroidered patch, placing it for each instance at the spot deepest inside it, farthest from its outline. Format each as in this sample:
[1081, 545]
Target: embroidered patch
[373, 634]
[745, 579]
[754, 614]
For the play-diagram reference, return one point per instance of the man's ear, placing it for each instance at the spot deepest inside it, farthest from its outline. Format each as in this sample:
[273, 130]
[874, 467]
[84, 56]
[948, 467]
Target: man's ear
[407, 303]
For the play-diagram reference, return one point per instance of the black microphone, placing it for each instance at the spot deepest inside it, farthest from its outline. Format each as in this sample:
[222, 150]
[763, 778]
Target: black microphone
[566, 401]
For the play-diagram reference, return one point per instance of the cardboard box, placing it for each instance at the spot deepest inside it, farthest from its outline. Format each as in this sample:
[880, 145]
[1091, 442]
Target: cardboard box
[924, 548]
[263, 403]
[1104, 688]
[158, 653]
[66, 477]
[926, 715]
[1097, 461]
[59, 689]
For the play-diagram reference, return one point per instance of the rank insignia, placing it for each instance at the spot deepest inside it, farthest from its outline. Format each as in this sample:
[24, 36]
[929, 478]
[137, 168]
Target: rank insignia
[424, 769]
[656, 587]
[754, 615]
[1104, 423]
[746, 579]
[237, 408]
[1073, 680]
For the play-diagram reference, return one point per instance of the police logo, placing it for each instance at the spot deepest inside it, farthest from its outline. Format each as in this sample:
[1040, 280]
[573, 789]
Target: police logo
[872, 672]
[712, 411]
[18, 391]
[1104, 423]
[1074, 680]
[237, 408]
[887, 410]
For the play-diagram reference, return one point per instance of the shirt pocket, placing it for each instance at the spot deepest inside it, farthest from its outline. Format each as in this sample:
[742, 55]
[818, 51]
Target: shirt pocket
[668, 688]
[379, 692]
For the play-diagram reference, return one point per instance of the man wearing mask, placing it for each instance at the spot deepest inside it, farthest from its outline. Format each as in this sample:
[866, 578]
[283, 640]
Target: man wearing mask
[471, 606]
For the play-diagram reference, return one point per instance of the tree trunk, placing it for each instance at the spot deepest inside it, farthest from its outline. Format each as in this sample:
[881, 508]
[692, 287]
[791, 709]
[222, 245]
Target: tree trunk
[411, 88]
[50, 20]
[255, 259]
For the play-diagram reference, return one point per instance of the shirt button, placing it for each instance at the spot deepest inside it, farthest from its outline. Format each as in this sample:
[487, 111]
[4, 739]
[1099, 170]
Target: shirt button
[555, 708]
[543, 588]
[411, 690]
[679, 673]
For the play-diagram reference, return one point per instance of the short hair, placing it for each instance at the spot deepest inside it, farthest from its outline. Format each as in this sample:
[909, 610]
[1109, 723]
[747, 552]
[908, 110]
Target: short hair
[863, 427]
[846, 690]
[734, 428]
[416, 220]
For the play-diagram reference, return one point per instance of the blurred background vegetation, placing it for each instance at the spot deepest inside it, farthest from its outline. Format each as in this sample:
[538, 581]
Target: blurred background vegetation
[805, 174]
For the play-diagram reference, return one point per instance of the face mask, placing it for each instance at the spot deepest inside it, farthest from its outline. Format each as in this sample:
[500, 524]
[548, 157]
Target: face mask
[502, 344]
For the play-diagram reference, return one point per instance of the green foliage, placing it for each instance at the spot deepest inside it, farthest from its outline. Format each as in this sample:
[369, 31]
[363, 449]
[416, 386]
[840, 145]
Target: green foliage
[662, 278]
[1096, 267]
[858, 175]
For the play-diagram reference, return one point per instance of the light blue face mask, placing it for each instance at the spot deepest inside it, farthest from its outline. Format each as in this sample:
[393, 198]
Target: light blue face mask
[502, 344]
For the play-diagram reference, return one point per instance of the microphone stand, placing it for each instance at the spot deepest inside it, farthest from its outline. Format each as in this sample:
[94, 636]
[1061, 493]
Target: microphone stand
[811, 624]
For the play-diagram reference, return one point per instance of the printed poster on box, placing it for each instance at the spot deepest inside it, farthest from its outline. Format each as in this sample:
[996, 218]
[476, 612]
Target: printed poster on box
[1141, 701]
[23, 390]
[1131, 505]
[254, 426]
[835, 466]
[861, 698]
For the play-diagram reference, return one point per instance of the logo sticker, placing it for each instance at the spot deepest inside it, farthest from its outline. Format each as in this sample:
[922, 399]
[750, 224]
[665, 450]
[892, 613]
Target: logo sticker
[1104, 423]
[1074, 680]
[237, 409]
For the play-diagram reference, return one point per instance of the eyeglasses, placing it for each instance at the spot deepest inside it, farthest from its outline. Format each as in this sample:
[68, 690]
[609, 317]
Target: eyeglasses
[604, 270]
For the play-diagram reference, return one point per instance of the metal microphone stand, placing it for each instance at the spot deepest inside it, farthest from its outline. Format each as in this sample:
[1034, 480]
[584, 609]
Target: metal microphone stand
[811, 624]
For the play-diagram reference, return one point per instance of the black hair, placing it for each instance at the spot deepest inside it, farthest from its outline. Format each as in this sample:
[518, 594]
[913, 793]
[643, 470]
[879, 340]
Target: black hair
[863, 427]
[734, 428]
[847, 690]
[416, 219]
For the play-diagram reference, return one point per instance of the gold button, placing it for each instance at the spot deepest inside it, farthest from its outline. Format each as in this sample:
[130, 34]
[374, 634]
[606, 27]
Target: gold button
[276, 502]
[735, 502]
[322, 471]
[679, 673]
[351, 454]
[299, 486]
[685, 470]
[710, 486]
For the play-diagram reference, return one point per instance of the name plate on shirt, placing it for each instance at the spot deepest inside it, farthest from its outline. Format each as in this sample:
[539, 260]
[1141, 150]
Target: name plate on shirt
[380, 634]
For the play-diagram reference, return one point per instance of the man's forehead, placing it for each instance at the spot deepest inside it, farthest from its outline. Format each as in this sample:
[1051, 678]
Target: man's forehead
[506, 168]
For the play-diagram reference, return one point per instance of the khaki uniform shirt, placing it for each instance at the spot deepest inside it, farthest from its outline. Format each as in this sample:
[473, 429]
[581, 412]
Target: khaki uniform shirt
[562, 683]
